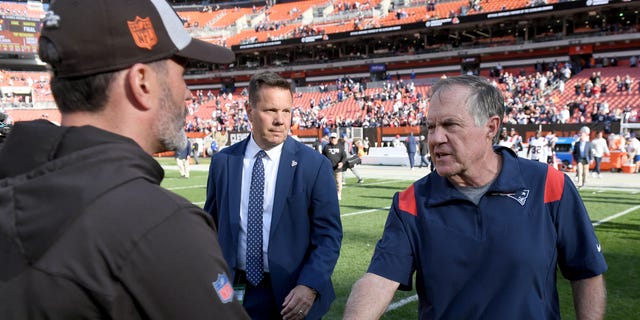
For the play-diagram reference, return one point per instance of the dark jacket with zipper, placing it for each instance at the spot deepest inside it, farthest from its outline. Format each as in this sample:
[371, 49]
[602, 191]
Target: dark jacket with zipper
[86, 231]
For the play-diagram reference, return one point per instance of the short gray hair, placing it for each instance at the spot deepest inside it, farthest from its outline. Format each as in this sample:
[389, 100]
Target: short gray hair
[484, 100]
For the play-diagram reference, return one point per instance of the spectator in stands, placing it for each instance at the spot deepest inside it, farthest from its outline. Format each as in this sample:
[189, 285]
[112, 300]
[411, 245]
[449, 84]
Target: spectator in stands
[110, 242]
[465, 266]
[619, 83]
[628, 82]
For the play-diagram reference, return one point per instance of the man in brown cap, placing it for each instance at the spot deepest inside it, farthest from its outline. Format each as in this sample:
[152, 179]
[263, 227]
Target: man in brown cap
[87, 231]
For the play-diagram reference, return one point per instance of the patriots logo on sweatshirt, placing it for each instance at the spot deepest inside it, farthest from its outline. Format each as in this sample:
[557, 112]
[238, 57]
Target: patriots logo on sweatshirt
[520, 196]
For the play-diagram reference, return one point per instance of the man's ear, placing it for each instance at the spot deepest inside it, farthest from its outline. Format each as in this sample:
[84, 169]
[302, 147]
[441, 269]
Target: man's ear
[140, 83]
[248, 108]
[493, 127]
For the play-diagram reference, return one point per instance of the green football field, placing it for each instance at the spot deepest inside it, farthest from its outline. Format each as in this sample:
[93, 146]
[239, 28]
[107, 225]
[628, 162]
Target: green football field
[615, 214]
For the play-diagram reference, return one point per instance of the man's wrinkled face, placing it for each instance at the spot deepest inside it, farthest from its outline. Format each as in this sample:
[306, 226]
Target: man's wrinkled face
[455, 141]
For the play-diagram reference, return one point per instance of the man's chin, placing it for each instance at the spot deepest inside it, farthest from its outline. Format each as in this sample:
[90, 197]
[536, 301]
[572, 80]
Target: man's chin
[277, 138]
[177, 142]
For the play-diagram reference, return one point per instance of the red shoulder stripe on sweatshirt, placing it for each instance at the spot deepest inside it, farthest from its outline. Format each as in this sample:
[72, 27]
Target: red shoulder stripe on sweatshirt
[554, 185]
[407, 201]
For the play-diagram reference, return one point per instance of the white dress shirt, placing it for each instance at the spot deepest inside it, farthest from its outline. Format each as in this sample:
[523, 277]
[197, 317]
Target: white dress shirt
[270, 162]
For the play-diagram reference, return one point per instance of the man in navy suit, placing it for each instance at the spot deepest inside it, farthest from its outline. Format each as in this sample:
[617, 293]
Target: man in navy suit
[582, 155]
[301, 231]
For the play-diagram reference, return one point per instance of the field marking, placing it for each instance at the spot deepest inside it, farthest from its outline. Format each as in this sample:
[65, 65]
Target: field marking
[402, 302]
[617, 215]
[385, 181]
[364, 211]
[414, 297]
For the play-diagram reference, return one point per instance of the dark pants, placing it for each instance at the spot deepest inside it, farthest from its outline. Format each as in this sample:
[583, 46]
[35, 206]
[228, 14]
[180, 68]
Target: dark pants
[259, 301]
[598, 161]
[423, 160]
[412, 156]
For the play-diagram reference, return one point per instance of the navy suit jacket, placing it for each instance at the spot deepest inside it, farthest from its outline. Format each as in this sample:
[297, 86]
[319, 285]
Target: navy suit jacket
[588, 149]
[306, 231]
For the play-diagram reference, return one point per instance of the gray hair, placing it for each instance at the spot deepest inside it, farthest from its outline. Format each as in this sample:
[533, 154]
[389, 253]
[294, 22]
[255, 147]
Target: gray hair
[484, 100]
[268, 79]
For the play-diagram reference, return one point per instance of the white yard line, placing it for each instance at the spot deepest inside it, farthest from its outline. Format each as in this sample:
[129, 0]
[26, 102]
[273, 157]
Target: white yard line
[617, 215]
[364, 211]
[402, 302]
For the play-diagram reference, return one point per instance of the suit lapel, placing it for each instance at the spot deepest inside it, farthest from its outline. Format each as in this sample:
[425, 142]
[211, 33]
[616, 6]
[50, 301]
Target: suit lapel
[286, 169]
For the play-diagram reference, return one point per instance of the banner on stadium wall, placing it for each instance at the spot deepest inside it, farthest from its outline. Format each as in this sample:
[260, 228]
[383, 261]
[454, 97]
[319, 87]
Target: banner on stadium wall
[15, 90]
[580, 49]
[377, 67]
[298, 75]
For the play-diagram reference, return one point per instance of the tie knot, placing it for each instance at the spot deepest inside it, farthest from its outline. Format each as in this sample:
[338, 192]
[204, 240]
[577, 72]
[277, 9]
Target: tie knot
[261, 154]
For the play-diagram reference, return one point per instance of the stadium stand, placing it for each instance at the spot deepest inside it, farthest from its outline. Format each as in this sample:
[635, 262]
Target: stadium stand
[528, 51]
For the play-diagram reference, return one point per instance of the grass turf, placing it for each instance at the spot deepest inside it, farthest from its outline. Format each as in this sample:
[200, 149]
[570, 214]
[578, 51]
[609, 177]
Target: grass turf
[364, 209]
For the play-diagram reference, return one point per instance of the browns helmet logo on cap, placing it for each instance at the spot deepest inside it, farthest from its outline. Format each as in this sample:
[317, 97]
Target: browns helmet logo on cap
[153, 25]
[143, 33]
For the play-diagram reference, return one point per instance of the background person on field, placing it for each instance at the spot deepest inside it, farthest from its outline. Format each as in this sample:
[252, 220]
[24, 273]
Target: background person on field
[582, 155]
[276, 209]
[182, 156]
[336, 154]
[600, 149]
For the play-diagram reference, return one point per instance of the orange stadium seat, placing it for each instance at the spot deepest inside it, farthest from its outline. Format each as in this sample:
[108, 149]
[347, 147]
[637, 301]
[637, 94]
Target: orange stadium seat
[230, 16]
[198, 19]
[614, 98]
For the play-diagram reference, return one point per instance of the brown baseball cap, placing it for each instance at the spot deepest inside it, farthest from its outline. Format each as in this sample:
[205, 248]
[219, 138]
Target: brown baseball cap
[90, 37]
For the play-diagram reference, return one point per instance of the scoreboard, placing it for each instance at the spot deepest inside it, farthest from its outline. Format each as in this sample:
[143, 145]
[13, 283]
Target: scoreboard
[19, 34]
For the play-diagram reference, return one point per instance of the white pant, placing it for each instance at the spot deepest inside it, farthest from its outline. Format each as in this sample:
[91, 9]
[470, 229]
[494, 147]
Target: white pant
[183, 167]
